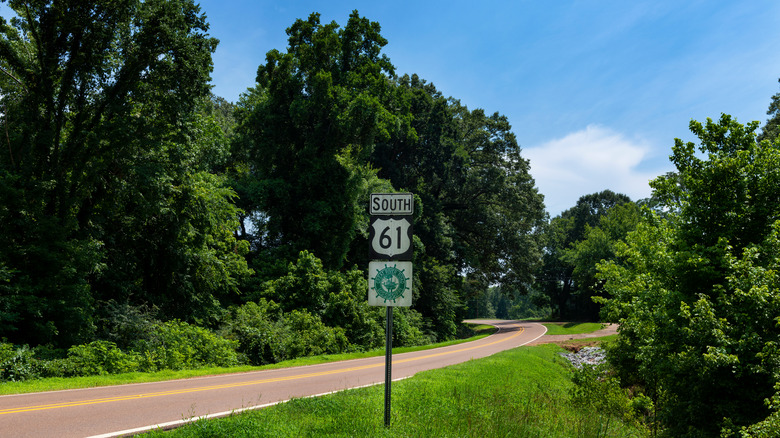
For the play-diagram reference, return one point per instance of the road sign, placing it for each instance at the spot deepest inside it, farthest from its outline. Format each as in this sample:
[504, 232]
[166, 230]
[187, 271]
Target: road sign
[391, 238]
[390, 284]
[391, 204]
[390, 277]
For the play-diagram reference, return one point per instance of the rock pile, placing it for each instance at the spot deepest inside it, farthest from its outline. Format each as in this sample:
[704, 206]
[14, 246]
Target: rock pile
[586, 356]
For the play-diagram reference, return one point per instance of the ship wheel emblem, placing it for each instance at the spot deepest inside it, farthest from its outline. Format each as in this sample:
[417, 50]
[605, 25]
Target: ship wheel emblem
[390, 283]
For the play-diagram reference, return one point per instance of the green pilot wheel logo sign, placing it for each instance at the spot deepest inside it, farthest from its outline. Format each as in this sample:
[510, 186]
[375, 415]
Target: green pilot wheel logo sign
[390, 284]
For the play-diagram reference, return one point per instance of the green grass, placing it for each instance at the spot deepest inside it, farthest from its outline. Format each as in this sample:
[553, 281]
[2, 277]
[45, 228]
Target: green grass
[523, 392]
[57, 383]
[572, 328]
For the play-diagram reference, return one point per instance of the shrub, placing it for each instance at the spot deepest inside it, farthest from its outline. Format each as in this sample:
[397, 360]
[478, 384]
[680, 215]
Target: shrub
[305, 286]
[256, 328]
[337, 298]
[96, 358]
[17, 364]
[126, 324]
[266, 335]
[59, 367]
[596, 391]
[306, 335]
[408, 328]
[348, 308]
[177, 345]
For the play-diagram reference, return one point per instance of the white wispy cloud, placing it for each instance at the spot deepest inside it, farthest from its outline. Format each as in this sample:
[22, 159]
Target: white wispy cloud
[589, 161]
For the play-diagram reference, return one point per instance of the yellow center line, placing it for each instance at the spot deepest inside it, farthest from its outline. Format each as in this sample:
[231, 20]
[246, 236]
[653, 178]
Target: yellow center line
[520, 332]
[239, 384]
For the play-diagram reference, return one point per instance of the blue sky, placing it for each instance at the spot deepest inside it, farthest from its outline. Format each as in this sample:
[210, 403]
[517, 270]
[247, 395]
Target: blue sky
[596, 91]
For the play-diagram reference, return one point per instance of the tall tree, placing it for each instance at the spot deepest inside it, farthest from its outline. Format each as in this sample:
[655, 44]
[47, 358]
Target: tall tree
[100, 101]
[481, 208]
[556, 275]
[329, 111]
[308, 129]
[697, 298]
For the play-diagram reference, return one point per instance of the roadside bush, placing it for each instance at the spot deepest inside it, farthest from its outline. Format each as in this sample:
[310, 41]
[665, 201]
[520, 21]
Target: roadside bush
[349, 309]
[17, 363]
[125, 324]
[256, 328]
[172, 345]
[96, 358]
[58, 367]
[266, 335]
[596, 391]
[6, 351]
[306, 335]
[177, 345]
[305, 286]
[337, 298]
[408, 328]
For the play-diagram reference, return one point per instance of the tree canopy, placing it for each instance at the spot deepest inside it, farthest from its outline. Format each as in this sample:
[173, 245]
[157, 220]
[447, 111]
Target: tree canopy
[106, 175]
[697, 295]
[315, 115]
[129, 194]
[329, 122]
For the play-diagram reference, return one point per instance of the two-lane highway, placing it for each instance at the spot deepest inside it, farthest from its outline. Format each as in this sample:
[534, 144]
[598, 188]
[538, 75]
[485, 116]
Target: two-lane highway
[127, 409]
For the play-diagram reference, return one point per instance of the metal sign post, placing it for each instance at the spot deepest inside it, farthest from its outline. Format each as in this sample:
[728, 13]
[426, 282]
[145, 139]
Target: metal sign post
[388, 362]
[390, 269]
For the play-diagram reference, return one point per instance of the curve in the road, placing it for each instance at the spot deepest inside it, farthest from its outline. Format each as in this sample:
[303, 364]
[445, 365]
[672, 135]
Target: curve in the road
[96, 411]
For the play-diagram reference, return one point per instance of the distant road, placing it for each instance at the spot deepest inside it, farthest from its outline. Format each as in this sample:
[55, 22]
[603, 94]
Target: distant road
[127, 409]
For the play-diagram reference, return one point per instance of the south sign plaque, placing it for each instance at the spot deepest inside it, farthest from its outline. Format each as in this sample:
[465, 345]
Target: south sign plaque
[390, 233]
[391, 204]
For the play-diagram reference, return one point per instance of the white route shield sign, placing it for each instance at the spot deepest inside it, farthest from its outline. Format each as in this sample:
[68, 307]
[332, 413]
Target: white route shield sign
[390, 238]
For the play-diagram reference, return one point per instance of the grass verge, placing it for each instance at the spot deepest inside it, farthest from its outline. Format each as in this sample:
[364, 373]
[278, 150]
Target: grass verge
[521, 392]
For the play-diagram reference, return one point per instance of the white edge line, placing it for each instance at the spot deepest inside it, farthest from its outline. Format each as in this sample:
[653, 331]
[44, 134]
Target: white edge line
[543, 333]
[174, 424]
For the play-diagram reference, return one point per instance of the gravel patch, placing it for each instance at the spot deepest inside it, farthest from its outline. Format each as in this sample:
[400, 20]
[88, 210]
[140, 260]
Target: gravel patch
[591, 356]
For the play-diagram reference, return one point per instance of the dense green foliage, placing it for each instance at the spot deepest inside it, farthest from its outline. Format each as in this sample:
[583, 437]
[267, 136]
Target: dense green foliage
[697, 295]
[172, 345]
[106, 187]
[146, 224]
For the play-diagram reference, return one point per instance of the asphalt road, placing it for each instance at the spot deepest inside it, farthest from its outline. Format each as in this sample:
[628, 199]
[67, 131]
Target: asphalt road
[128, 409]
